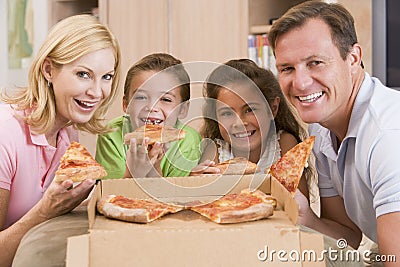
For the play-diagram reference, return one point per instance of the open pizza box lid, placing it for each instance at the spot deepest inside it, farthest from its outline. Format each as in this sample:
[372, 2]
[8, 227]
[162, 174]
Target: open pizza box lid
[189, 239]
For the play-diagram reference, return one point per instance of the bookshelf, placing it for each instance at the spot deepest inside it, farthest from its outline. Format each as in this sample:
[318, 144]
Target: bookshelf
[262, 12]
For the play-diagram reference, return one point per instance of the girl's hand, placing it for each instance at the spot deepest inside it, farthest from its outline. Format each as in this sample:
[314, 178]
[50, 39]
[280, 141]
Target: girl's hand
[142, 159]
[62, 198]
[206, 167]
[305, 212]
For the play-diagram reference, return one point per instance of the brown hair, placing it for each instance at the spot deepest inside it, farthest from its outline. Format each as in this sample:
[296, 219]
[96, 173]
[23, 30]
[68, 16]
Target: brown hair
[266, 83]
[158, 62]
[286, 118]
[339, 20]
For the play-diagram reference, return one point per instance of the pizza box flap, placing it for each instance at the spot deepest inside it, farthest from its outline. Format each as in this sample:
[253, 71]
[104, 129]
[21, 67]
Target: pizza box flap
[192, 186]
[232, 246]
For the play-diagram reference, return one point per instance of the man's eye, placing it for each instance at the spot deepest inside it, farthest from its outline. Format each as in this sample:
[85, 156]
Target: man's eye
[316, 63]
[283, 70]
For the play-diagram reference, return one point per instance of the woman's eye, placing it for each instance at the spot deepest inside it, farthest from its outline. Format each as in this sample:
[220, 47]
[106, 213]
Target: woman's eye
[108, 77]
[83, 74]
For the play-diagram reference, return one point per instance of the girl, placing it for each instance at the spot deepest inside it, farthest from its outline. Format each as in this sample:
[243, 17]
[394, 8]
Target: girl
[239, 95]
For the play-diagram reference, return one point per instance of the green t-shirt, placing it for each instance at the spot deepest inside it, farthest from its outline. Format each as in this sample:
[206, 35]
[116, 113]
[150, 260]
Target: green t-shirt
[179, 160]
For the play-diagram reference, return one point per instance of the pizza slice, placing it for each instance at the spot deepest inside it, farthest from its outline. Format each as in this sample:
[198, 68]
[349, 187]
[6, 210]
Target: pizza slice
[133, 209]
[156, 133]
[77, 165]
[238, 165]
[289, 168]
[235, 208]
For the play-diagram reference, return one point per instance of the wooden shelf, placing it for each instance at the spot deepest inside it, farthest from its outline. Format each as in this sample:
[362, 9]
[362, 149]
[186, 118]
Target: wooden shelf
[260, 29]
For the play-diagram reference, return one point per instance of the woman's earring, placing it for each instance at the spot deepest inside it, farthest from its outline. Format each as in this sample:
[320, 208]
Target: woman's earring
[48, 84]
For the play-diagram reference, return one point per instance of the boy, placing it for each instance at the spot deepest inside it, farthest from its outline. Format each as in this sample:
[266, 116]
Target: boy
[159, 89]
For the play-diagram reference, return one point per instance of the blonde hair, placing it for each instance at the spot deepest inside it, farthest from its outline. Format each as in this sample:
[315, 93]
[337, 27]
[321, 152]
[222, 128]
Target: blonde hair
[67, 41]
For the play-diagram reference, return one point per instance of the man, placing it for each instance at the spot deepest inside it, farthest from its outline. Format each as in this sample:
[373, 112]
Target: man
[355, 120]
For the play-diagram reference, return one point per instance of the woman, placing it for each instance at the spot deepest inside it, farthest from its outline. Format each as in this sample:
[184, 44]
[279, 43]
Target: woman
[72, 82]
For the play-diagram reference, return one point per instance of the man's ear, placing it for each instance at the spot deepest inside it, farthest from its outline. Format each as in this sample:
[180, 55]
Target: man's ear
[275, 106]
[183, 110]
[355, 57]
[46, 69]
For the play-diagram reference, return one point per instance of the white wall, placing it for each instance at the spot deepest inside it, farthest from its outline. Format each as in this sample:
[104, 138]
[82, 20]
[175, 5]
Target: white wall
[3, 43]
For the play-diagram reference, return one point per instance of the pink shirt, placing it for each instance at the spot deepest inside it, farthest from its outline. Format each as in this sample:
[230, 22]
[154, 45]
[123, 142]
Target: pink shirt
[27, 162]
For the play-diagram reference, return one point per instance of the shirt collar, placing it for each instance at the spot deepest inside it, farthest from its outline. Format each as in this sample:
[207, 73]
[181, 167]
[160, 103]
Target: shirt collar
[360, 106]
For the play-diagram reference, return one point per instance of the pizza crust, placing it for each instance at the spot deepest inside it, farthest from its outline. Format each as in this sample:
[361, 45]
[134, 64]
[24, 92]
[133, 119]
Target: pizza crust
[155, 133]
[289, 168]
[78, 174]
[237, 166]
[253, 213]
[224, 211]
[137, 214]
[77, 165]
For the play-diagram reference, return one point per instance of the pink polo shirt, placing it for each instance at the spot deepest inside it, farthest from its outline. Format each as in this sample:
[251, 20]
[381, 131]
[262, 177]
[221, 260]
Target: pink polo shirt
[27, 162]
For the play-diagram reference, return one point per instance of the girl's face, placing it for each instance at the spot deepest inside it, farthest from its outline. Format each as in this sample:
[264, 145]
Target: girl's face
[81, 86]
[243, 118]
[155, 100]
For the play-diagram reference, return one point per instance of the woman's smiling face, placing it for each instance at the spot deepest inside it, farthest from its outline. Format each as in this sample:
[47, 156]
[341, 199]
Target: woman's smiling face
[81, 86]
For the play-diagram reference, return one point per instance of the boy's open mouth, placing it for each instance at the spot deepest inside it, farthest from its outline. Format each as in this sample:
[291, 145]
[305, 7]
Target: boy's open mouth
[152, 121]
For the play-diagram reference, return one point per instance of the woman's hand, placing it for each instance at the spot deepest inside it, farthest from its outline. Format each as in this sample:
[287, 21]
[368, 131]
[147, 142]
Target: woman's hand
[144, 159]
[62, 198]
[206, 167]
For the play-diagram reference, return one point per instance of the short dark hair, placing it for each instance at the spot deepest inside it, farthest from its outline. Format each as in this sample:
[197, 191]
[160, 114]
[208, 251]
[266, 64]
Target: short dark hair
[159, 62]
[337, 17]
[264, 80]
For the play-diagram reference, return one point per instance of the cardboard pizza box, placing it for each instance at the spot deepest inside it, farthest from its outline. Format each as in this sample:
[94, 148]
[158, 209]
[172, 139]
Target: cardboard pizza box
[189, 239]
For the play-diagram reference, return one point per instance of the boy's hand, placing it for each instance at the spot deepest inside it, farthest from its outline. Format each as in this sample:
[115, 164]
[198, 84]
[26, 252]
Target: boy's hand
[206, 167]
[142, 159]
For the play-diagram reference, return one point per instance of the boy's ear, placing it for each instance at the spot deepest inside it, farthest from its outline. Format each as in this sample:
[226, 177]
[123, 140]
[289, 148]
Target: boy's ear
[184, 109]
[46, 69]
[275, 106]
